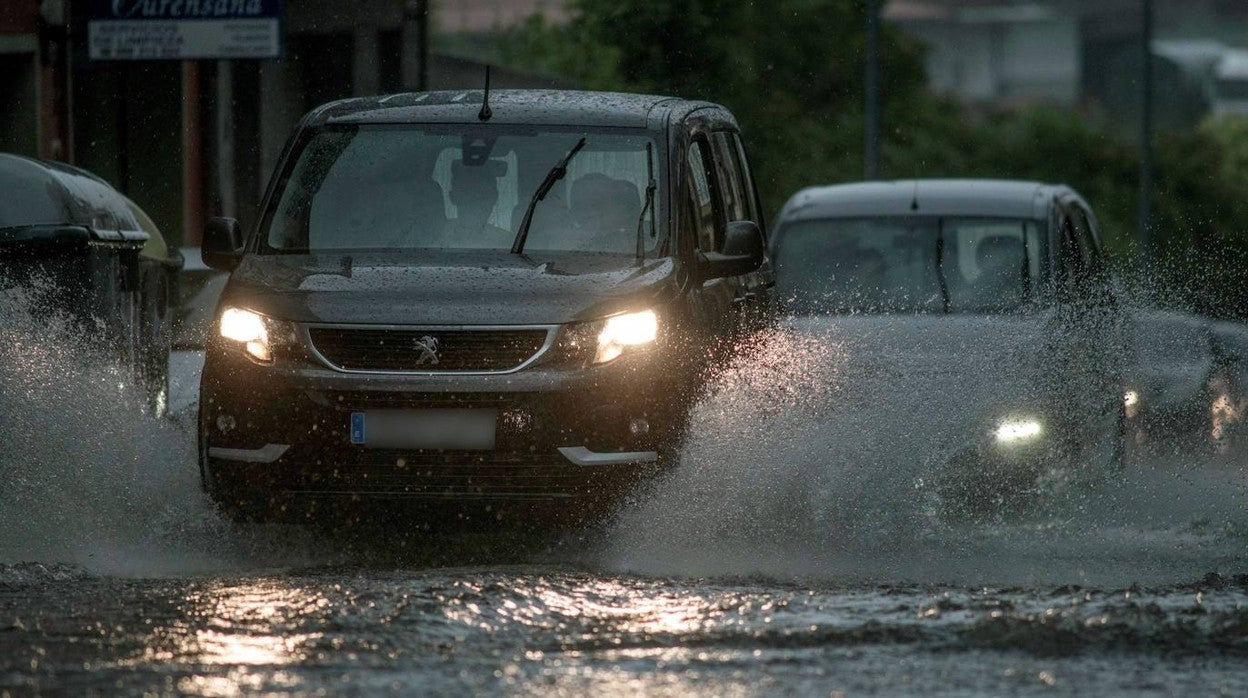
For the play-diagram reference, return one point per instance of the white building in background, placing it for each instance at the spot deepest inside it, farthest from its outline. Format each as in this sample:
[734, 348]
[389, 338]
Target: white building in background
[999, 52]
[1070, 52]
[1230, 86]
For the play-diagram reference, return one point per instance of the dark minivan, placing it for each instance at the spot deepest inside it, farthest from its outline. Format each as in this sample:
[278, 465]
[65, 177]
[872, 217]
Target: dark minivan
[504, 301]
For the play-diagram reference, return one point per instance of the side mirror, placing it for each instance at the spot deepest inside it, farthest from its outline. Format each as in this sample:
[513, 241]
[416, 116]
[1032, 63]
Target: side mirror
[222, 246]
[742, 254]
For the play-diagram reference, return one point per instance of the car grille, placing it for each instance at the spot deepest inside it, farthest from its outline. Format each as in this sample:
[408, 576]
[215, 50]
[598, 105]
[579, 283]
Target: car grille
[362, 349]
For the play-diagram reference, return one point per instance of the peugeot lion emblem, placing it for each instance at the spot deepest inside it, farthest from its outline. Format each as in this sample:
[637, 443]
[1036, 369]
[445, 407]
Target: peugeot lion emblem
[428, 348]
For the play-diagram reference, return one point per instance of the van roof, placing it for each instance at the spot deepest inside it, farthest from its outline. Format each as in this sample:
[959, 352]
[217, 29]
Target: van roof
[919, 197]
[546, 107]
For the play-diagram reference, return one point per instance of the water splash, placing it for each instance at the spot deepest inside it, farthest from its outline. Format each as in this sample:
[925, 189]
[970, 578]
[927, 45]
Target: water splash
[88, 476]
[813, 454]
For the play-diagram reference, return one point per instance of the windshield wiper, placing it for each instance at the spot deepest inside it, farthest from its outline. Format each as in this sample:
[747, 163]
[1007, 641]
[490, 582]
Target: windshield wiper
[940, 264]
[556, 173]
[647, 206]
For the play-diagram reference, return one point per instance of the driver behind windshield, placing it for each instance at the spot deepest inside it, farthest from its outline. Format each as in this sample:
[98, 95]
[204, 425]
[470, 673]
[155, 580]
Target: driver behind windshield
[604, 212]
[474, 194]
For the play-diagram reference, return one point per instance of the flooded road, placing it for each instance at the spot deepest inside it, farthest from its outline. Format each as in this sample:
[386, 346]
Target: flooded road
[797, 551]
[565, 630]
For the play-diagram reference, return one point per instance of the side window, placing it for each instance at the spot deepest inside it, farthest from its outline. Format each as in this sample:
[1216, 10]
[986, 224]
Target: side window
[735, 199]
[1072, 263]
[701, 197]
[1083, 235]
[754, 210]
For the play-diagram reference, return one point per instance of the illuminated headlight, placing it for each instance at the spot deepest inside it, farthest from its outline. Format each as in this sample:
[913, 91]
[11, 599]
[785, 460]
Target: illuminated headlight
[1014, 431]
[622, 332]
[250, 330]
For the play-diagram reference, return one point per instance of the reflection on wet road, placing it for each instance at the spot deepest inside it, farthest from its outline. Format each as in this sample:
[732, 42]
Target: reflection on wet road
[555, 629]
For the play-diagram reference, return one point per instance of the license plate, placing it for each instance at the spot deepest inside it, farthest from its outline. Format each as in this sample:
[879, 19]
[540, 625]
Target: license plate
[450, 429]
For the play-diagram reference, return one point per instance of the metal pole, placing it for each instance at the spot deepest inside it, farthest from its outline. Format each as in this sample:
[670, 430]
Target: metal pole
[422, 33]
[226, 187]
[192, 157]
[871, 157]
[1146, 134]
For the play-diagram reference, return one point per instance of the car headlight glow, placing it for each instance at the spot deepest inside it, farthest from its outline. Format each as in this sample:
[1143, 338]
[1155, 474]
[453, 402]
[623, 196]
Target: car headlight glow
[248, 329]
[621, 332]
[1013, 431]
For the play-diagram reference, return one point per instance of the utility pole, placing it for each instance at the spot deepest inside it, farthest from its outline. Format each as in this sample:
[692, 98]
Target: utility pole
[422, 29]
[54, 124]
[1146, 134]
[871, 153]
[416, 45]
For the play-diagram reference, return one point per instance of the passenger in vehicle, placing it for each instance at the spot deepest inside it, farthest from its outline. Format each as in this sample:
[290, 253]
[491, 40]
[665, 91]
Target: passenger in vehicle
[550, 218]
[604, 213]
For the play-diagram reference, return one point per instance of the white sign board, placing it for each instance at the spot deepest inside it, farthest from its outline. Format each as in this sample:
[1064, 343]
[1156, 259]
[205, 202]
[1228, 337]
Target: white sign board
[129, 30]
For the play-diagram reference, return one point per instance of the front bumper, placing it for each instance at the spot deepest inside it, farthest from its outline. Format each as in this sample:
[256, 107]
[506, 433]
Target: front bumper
[563, 433]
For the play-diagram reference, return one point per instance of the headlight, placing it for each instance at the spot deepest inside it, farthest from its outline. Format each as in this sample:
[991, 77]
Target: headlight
[248, 329]
[621, 332]
[1014, 431]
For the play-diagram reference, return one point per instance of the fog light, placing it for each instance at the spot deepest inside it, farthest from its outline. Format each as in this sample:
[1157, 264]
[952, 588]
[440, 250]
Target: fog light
[226, 423]
[638, 427]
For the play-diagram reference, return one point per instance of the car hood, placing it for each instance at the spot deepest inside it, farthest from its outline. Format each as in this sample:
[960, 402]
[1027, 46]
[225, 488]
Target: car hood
[447, 287]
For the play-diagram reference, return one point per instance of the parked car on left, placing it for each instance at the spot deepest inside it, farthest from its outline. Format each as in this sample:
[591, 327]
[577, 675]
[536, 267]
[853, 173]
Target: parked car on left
[85, 250]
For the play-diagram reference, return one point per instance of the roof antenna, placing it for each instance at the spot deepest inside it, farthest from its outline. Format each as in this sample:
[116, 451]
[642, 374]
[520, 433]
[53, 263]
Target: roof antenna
[486, 112]
[914, 199]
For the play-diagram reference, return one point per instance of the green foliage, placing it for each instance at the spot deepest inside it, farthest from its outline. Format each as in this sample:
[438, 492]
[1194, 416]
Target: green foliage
[1230, 133]
[546, 49]
[792, 72]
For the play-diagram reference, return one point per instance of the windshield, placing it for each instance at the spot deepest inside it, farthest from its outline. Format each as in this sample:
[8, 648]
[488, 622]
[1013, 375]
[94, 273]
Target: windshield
[920, 264]
[458, 187]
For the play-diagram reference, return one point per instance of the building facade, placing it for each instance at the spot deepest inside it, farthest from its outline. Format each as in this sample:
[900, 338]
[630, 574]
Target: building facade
[190, 139]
